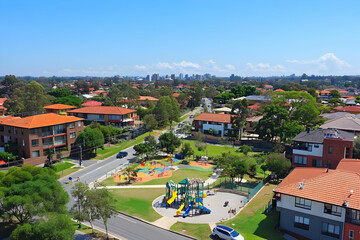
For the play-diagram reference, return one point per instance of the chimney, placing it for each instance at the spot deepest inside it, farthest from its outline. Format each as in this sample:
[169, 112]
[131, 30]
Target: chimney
[308, 129]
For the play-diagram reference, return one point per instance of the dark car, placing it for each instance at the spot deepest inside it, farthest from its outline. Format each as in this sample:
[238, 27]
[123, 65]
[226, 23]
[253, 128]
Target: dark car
[184, 162]
[121, 154]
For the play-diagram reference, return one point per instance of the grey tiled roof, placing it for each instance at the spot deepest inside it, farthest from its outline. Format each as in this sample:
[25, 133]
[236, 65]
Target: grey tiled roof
[345, 123]
[318, 135]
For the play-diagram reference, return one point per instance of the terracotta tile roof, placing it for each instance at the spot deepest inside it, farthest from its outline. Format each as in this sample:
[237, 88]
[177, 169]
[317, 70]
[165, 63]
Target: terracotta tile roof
[2, 100]
[143, 98]
[343, 91]
[324, 185]
[176, 95]
[268, 86]
[349, 109]
[213, 117]
[254, 107]
[59, 107]
[2, 107]
[92, 103]
[349, 165]
[42, 120]
[279, 90]
[286, 104]
[103, 110]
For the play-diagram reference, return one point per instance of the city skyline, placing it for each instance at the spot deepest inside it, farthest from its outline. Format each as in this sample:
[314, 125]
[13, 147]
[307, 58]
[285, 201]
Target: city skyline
[90, 38]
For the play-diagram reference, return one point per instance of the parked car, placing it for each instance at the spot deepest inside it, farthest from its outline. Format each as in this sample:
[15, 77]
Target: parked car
[225, 232]
[191, 116]
[121, 154]
[184, 162]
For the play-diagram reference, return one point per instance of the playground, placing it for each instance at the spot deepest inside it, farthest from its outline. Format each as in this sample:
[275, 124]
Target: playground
[190, 202]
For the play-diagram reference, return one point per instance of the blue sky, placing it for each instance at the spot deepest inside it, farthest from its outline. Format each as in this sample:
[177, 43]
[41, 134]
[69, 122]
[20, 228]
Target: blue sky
[247, 38]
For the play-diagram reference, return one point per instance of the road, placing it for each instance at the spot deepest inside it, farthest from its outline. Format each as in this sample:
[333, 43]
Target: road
[121, 226]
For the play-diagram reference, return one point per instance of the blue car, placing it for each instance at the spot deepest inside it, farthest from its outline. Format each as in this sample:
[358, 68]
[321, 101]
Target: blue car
[121, 154]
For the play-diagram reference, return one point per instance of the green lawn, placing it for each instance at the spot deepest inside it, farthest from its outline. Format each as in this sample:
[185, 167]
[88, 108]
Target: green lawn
[58, 167]
[252, 222]
[67, 172]
[213, 150]
[177, 176]
[138, 202]
[199, 231]
[109, 151]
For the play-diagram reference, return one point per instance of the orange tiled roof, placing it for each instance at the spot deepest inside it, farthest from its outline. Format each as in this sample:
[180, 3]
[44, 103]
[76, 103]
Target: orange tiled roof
[325, 185]
[42, 120]
[176, 95]
[343, 91]
[2, 100]
[213, 117]
[268, 86]
[59, 107]
[2, 107]
[254, 107]
[348, 109]
[103, 110]
[143, 98]
[92, 103]
[279, 90]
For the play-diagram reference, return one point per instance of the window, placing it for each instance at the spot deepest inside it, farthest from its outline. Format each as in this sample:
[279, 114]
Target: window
[34, 131]
[35, 154]
[300, 160]
[72, 135]
[316, 163]
[35, 142]
[79, 123]
[302, 222]
[22, 131]
[351, 234]
[330, 230]
[302, 203]
[347, 152]
[2, 128]
[330, 149]
[332, 209]
[72, 125]
[9, 129]
[316, 145]
[15, 130]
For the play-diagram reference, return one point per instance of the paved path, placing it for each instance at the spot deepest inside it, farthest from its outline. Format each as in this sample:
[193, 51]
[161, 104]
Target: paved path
[165, 222]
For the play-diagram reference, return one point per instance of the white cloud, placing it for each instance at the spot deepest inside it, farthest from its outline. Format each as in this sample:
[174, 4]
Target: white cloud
[185, 64]
[326, 64]
[140, 67]
[265, 67]
[163, 65]
[230, 67]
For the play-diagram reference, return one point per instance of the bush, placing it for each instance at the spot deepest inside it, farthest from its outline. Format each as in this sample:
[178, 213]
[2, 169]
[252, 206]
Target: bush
[245, 149]
[7, 156]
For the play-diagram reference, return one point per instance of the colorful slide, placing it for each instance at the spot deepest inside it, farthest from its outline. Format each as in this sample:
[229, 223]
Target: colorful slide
[171, 200]
[187, 210]
[205, 210]
[180, 208]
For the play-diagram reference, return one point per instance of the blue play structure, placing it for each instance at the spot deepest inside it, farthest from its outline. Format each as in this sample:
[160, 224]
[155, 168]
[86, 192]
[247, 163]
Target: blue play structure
[201, 206]
[187, 210]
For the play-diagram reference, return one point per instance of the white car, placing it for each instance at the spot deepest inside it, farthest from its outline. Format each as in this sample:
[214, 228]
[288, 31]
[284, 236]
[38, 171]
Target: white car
[225, 232]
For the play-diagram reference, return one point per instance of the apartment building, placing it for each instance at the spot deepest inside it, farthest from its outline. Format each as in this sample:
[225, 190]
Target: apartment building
[119, 117]
[322, 148]
[34, 136]
[220, 123]
[320, 203]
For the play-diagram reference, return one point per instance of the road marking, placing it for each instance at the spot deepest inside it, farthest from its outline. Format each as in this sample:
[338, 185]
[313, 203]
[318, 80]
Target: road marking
[126, 218]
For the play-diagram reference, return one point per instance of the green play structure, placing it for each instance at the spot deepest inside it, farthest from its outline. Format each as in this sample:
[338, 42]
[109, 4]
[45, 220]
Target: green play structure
[187, 196]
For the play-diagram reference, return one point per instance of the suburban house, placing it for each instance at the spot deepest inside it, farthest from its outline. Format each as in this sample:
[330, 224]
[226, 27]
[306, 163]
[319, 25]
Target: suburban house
[119, 117]
[347, 123]
[2, 108]
[220, 123]
[321, 148]
[58, 108]
[91, 104]
[321, 203]
[256, 99]
[34, 136]
[143, 99]
[222, 110]
[349, 109]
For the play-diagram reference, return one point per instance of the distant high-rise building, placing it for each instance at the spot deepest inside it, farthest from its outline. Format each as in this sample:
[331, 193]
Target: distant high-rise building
[181, 76]
[172, 76]
[198, 77]
[155, 77]
[207, 76]
[232, 76]
[166, 76]
[186, 76]
[148, 78]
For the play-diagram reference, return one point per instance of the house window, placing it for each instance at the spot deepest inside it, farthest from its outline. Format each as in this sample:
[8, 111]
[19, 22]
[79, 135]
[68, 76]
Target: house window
[34, 131]
[316, 163]
[72, 125]
[300, 160]
[22, 131]
[316, 145]
[35, 142]
[35, 154]
[72, 135]
[79, 123]
[302, 203]
[351, 234]
[330, 149]
[331, 230]
[347, 152]
[302, 222]
[9, 129]
[332, 209]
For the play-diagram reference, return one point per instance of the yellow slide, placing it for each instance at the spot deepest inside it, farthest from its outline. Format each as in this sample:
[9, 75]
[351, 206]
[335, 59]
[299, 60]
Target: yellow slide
[174, 195]
[180, 208]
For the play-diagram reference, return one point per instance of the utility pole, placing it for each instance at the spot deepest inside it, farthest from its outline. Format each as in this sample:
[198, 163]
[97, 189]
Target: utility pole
[80, 155]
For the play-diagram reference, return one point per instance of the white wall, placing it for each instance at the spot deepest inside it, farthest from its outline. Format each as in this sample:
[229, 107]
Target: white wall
[318, 152]
[217, 128]
[317, 208]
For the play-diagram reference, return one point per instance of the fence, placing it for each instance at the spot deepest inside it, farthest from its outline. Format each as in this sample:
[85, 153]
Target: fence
[110, 173]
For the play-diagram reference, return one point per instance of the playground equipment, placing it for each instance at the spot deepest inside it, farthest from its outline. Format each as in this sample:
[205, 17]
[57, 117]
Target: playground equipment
[188, 194]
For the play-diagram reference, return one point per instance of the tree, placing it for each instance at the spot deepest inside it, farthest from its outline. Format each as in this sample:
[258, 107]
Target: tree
[71, 100]
[53, 227]
[240, 111]
[60, 92]
[28, 193]
[169, 141]
[278, 164]
[131, 172]
[90, 139]
[245, 149]
[195, 95]
[264, 168]
[150, 122]
[289, 130]
[240, 168]
[187, 150]
[270, 126]
[356, 147]
[243, 90]
[306, 114]
[335, 94]
[79, 192]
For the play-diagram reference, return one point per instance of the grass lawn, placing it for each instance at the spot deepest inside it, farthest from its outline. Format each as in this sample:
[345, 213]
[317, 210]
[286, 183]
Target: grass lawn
[213, 150]
[58, 167]
[252, 222]
[199, 231]
[67, 171]
[138, 202]
[109, 151]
